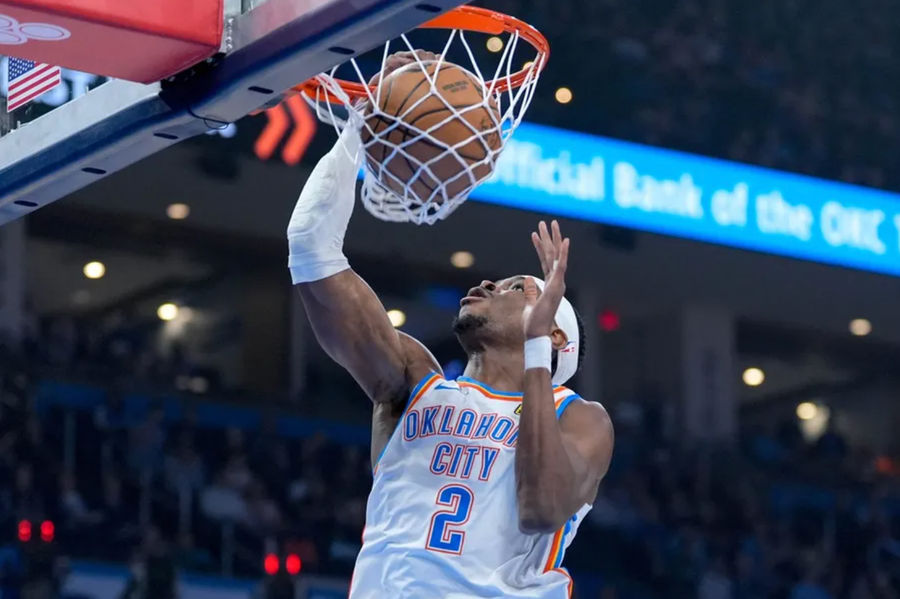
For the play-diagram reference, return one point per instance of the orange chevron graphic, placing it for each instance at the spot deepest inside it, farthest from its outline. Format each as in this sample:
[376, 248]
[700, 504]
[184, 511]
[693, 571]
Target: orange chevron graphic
[275, 129]
[304, 128]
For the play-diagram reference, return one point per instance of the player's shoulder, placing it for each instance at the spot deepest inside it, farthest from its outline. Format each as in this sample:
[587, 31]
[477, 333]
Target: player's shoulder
[420, 362]
[564, 398]
[571, 406]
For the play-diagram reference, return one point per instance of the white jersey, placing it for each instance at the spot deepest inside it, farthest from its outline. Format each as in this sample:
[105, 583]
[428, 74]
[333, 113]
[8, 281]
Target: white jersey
[442, 520]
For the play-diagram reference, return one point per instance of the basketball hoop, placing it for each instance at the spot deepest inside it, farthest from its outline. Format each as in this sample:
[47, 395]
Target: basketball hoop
[423, 192]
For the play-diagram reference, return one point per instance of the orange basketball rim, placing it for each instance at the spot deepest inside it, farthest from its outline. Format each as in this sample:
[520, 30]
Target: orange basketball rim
[463, 18]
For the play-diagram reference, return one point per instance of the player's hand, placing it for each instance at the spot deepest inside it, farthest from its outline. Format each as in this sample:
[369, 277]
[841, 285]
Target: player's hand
[399, 60]
[553, 252]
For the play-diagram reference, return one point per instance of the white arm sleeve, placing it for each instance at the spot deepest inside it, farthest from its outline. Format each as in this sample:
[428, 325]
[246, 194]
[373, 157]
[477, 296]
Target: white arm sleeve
[319, 222]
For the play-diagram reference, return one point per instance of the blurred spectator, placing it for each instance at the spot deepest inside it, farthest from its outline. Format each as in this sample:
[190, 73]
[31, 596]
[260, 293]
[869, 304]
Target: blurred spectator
[740, 80]
[153, 573]
[190, 557]
[222, 502]
[810, 586]
[237, 473]
[280, 586]
[715, 583]
[27, 500]
[111, 422]
[117, 518]
[44, 571]
[147, 442]
[73, 508]
[184, 469]
[234, 444]
[263, 515]
[793, 521]
[270, 457]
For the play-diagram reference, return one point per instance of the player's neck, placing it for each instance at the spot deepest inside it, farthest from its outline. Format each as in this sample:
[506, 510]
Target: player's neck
[497, 369]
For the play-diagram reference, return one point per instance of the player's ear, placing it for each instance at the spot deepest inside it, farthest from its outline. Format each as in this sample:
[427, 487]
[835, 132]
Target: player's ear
[558, 338]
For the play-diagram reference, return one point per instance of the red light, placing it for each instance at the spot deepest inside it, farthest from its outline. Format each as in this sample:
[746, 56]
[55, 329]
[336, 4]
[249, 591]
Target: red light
[885, 465]
[47, 531]
[609, 321]
[293, 565]
[24, 531]
[270, 565]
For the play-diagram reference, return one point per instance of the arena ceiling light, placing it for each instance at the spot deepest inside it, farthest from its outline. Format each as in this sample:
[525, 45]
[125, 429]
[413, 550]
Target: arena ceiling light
[563, 95]
[754, 377]
[462, 259]
[178, 211]
[94, 270]
[807, 410]
[397, 317]
[494, 44]
[860, 327]
[167, 312]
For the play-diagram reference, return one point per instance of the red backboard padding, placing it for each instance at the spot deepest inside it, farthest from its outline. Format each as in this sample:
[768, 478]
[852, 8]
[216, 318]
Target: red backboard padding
[137, 40]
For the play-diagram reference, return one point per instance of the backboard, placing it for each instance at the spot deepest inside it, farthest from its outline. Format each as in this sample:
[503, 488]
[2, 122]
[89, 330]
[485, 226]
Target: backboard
[94, 126]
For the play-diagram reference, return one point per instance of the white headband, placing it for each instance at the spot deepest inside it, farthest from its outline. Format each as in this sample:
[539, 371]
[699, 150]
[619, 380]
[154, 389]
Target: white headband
[567, 357]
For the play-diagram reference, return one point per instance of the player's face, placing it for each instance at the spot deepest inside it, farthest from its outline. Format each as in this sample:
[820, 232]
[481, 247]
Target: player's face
[499, 303]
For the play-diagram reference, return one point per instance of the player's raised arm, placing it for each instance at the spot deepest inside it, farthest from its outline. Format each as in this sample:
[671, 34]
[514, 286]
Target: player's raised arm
[559, 462]
[346, 316]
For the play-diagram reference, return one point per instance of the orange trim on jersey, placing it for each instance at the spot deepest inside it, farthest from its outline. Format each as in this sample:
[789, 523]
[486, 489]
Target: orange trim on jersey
[362, 541]
[490, 394]
[571, 584]
[555, 548]
[495, 395]
[432, 380]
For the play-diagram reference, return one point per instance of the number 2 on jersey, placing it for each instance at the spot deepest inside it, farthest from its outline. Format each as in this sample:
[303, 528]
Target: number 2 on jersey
[444, 534]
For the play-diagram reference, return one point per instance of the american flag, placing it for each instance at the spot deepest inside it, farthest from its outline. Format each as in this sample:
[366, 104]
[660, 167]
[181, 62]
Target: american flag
[28, 79]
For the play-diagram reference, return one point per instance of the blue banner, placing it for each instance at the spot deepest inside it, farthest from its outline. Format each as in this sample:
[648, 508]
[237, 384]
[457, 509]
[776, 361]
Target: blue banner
[597, 179]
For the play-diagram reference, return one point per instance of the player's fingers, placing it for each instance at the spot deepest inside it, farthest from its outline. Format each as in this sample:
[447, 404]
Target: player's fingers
[536, 241]
[563, 259]
[409, 56]
[401, 59]
[546, 244]
[542, 229]
[549, 255]
[557, 236]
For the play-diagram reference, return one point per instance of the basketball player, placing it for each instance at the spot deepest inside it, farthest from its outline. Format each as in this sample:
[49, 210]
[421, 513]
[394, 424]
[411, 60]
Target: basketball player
[481, 482]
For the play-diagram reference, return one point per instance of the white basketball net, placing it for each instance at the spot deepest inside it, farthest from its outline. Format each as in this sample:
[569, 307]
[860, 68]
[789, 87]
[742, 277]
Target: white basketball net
[422, 196]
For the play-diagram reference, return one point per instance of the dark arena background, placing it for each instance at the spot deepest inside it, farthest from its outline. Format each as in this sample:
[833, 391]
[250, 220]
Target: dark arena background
[728, 174]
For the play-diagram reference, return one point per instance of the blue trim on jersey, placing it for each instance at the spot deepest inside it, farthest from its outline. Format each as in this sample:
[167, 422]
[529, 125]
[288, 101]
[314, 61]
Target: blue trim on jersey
[565, 404]
[418, 387]
[562, 544]
[412, 394]
[494, 391]
[384, 449]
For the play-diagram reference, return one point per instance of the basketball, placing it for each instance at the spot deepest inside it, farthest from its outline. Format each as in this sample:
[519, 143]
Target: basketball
[408, 139]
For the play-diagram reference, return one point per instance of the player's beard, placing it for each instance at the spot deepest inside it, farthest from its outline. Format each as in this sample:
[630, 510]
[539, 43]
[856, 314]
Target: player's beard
[468, 323]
